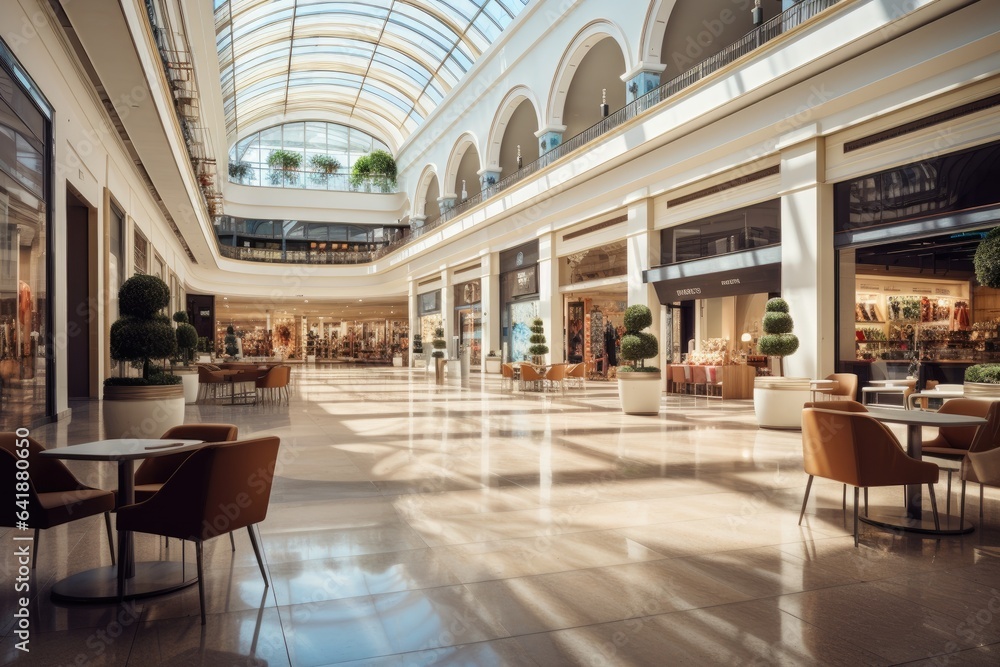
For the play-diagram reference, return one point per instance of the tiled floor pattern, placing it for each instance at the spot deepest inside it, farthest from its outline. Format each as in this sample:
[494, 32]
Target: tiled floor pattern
[415, 524]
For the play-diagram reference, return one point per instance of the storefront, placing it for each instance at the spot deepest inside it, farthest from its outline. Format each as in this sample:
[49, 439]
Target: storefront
[25, 247]
[594, 287]
[518, 299]
[716, 275]
[909, 304]
[429, 312]
[469, 318]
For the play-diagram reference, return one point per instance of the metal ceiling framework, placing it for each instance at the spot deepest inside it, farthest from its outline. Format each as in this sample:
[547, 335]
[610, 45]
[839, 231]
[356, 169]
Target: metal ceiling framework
[386, 62]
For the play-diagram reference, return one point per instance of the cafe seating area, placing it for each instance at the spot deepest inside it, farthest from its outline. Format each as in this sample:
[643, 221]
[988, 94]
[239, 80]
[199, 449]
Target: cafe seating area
[244, 382]
[319, 539]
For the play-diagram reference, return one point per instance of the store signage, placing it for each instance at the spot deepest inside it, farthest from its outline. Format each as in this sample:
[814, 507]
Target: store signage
[749, 280]
[205, 312]
[942, 291]
[870, 287]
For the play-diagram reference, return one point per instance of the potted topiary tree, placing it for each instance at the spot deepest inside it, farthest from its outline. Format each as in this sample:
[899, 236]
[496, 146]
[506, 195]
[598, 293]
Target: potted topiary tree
[145, 406]
[187, 341]
[638, 384]
[777, 401]
[538, 348]
[232, 348]
[987, 260]
[439, 345]
[983, 381]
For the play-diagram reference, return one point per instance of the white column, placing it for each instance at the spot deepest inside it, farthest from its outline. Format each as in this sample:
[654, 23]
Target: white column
[549, 300]
[807, 257]
[643, 246]
[414, 318]
[447, 312]
[489, 282]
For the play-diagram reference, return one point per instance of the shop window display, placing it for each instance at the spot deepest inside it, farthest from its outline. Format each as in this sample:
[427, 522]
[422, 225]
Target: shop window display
[24, 137]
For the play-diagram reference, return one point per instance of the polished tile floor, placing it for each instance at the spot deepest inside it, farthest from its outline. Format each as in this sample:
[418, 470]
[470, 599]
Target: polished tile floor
[415, 524]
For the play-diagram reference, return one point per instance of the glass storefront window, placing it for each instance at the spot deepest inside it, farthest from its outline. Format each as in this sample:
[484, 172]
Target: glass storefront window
[747, 228]
[25, 137]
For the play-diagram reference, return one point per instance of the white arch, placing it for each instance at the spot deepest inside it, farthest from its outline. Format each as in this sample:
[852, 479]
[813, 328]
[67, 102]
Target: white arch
[511, 101]
[448, 185]
[653, 30]
[590, 35]
[419, 199]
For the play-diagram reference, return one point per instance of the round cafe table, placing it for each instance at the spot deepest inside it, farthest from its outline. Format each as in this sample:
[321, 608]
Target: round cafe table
[141, 579]
[913, 518]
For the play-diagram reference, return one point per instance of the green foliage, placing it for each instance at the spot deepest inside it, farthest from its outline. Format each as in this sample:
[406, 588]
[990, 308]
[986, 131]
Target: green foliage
[187, 340]
[776, 305]
[778, 345]
[987, 260]
[325, 164]
[240, 171]
[418, 344]
[229, 342]
[181, 317]
[157, 379]
[284, 160]
[778, 323]
[143, 296]
[538, 347]
[778, 339]
[638, 345]
[438, 343]
[141, 334]
[378, 167]
[638, 318]
[988, 373]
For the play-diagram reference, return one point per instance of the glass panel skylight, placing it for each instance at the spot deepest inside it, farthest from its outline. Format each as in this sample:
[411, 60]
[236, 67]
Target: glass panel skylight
[387, 62]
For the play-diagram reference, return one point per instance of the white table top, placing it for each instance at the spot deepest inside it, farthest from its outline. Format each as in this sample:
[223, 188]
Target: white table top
[900, 382]
[122, 449]
[924, 418]
[820, 383]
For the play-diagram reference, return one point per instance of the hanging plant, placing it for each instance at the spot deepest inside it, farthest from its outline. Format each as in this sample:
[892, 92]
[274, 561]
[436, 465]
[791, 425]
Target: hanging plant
[987, 260]
[240, 171]
[377, 168]
[285, 164]
[325, 164]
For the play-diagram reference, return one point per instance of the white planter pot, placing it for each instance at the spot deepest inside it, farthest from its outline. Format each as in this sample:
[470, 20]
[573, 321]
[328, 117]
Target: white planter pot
[204, 358]
[777, 401]
[310, 358]
[492, 364]
[190, 379]
[397, 361]
[984, 391]
[142, 412]
[639, 393]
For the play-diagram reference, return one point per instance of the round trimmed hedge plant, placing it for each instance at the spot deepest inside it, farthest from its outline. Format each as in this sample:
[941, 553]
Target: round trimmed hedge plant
[778, 339]
[187, 336]
[984, 373]
[638, 345]
[142, 334]
[987, 260]
[438, 343]
[538, 347]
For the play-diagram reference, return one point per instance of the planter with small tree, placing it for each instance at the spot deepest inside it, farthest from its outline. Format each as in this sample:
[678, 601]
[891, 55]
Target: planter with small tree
[145, 406]
[324, 166]
[285, 166]
[538, 348]
[982, 381]
[231, 343]
[777, 401]
[187, 342]
[639, 385]
[492, 362]
[374, 171]
[439, 344]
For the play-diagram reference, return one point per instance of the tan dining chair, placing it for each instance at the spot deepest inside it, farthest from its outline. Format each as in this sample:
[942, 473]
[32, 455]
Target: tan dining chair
[678, 378]
[210, 379]
[854, 448]
[576, 374]
[555, 375]
[273, 384]
[984, 469]
[846, 388]
[190, 505]
[53, 494]
[530, 374]
[953, 443]
[506, 377]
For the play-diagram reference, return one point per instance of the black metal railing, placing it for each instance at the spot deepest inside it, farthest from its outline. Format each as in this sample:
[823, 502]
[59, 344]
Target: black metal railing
[753, 40]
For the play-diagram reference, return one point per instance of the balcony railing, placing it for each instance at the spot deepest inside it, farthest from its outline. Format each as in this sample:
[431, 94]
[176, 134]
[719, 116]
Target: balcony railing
[359, 256]
[261, 175]
[753, 40]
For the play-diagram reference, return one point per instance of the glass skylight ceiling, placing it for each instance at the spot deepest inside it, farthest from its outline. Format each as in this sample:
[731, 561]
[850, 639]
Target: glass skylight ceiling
[387, 62]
